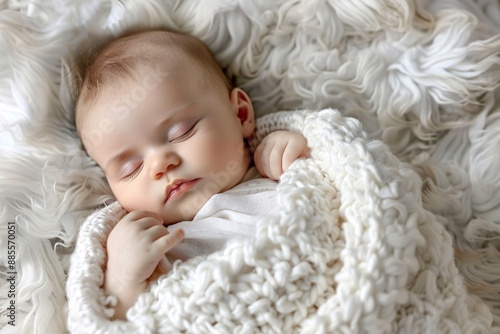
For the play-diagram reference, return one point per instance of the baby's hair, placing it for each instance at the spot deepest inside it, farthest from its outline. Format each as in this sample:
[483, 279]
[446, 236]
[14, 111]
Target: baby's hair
[127, 56]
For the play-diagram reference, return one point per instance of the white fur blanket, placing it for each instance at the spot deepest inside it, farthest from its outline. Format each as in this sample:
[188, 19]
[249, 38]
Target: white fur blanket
[421, 76]
[352, 250]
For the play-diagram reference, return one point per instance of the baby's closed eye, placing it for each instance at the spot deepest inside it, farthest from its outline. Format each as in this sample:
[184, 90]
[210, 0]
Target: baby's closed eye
[130, 169]
[181, 132]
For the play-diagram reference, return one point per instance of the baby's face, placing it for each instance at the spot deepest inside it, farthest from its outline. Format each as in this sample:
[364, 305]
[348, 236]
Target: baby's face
[169, 148]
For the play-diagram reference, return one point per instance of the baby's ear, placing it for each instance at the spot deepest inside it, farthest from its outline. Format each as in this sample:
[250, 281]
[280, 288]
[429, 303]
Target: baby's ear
[244, 110]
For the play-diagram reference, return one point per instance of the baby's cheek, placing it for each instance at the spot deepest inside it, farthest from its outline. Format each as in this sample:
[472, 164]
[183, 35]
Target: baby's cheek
[230, 155]
[127, 198]
[222, 153]
[125, 203]
[211, 147]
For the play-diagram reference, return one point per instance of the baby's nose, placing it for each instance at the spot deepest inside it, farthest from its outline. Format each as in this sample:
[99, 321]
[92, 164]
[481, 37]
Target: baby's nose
[162, 162]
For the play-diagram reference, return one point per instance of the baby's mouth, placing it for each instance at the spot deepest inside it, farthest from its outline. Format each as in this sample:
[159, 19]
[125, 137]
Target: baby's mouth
[178, 187]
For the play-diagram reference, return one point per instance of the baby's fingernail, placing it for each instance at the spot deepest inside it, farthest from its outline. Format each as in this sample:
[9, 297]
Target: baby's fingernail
[181, 233]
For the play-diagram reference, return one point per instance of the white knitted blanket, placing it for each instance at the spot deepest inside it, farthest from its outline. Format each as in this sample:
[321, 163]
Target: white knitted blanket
[351, 251]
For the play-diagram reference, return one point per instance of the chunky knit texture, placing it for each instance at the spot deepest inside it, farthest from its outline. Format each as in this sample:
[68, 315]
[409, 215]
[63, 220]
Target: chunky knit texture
[351, 251]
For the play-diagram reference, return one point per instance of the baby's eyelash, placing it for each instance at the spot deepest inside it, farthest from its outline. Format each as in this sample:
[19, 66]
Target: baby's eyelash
[185, 134]
[132, 175]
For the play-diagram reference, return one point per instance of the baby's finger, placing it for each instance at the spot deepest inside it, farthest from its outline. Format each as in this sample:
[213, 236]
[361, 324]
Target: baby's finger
[293, 150]
[156, 232]
[275, 160]
[164, 266]
[169, 241]
[148, 222]
[263, 164]
[140, 214]
[257, 158]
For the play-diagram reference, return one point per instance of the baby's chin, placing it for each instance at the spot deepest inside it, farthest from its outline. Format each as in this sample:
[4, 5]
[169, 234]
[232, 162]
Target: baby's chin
[187, 214]
[187, 209]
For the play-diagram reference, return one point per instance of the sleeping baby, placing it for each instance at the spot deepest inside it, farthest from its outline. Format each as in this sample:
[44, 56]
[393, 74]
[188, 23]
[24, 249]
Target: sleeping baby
[157, 114]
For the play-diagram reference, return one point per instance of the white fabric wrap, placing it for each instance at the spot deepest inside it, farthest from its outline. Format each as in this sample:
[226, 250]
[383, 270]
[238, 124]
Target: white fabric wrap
[226, 216]
[351, 251]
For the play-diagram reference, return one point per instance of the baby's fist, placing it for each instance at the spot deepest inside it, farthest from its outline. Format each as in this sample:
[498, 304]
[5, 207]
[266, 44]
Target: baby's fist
[278, 151]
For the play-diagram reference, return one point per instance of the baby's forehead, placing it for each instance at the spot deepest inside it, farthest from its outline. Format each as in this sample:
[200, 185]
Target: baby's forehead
[154, 84]
[136, 82]
[137, 63]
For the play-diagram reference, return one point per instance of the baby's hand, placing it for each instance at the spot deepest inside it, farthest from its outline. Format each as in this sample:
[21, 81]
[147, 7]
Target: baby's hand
[136, 247]
[278, 151]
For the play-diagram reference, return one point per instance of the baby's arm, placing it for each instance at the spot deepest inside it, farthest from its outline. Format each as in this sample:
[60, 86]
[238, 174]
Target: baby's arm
[277, 151]
[135, 247]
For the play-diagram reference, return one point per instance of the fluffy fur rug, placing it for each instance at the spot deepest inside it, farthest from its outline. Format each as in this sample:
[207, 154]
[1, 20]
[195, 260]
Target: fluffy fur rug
[422, 76]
